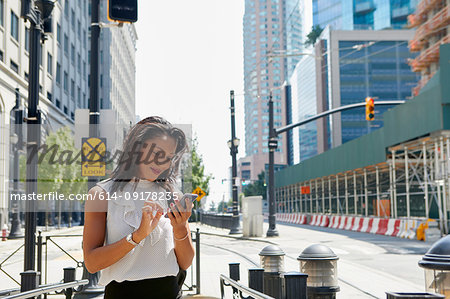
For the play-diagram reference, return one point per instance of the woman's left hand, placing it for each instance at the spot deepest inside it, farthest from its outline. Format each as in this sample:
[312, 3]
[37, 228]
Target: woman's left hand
[179, 216]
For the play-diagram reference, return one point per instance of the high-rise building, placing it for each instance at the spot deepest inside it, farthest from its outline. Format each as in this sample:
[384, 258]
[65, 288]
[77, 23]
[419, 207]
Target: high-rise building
[64, 72]
[272, 28]
[362, 14]
[348, 67]
[432, 20]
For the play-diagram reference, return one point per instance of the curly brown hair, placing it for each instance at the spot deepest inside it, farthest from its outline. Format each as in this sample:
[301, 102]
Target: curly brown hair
[148, 128]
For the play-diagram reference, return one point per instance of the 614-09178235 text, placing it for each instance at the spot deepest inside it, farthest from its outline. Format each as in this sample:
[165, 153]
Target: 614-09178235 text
[54, 195]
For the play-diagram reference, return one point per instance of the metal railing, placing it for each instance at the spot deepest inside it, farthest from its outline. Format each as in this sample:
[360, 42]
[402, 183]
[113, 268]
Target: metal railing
[67, 288]
[217, 220]
[239, 289]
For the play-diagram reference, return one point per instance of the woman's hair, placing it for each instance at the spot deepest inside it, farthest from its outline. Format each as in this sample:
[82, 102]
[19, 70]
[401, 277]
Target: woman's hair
[129, 160]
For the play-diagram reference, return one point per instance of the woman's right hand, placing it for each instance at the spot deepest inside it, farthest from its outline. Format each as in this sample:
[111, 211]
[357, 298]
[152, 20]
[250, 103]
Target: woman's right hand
[148, 221]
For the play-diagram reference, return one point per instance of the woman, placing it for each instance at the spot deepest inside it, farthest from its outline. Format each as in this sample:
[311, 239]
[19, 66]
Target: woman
[140, 253]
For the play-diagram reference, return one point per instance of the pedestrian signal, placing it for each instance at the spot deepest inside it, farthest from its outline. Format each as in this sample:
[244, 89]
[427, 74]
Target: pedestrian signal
[122, 10]
[370, 109]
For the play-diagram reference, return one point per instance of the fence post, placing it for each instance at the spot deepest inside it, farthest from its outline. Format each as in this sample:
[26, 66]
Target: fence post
[39, 255]
[234, 271]
[197, 260]
[29, 280]
[295, 285]
[256, 279]
[69, 276]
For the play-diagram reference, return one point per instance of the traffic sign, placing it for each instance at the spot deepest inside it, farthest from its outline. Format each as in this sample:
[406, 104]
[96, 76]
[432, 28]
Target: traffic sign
[305, 190]
[93, 150]
[199, 192]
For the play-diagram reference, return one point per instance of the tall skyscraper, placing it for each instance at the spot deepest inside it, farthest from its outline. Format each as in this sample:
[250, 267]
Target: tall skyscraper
[362, 14]
[271, 28]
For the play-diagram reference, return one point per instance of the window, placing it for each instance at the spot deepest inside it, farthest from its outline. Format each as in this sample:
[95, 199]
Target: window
[79, 96]
[27, 39]
[49, 96]
[66, 44]
[72, 53]
[14, 66]
[1, 13]
[58, 33]
[66, 82]
[79, 30]
[58, 103]
[65, 109]
[1, 55]
[72, 89]
[58, 73]
[73, 20]
[79, 63]
[49, 64]
[66, 8]
[14, 26]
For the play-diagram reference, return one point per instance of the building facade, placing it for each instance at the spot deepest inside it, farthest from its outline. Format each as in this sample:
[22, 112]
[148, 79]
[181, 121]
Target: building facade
[272, 28]
[362, 15]
[432, 22]
[64, 73]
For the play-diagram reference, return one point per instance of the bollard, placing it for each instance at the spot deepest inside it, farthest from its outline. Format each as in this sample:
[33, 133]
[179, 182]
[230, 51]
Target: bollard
[4, 232]
[234, 271]
[272, 260]
[39, 255]
[29, 280]
[295, 285]
[256, 279]
[69, 276]
[197, 260]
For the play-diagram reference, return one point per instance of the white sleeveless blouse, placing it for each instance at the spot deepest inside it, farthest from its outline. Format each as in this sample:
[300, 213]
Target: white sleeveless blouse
[155, 255]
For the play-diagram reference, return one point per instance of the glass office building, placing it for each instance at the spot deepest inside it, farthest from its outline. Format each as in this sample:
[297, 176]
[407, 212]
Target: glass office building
[362, 14]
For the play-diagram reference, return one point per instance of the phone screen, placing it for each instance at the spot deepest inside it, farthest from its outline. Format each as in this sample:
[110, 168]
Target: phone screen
[192, 197]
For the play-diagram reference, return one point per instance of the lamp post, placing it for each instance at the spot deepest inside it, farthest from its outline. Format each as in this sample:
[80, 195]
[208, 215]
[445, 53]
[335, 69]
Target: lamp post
[233, 144]
[17, 141]
[272, 144]
[38, 13]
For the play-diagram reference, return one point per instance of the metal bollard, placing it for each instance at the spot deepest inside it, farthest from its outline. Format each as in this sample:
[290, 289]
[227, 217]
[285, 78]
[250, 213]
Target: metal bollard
[295, 285]
[69, 276]
[197, 260]
[256, 279]
[234, 271]
[272, 260]
[29, 280]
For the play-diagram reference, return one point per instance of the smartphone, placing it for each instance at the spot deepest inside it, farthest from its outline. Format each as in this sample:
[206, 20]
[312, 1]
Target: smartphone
[190, 196]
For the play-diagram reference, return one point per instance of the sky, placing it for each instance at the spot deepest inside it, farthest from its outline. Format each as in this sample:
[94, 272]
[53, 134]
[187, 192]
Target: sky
[189, 56]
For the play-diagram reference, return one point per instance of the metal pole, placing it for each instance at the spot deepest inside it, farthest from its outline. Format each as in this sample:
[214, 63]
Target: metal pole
[355, 195]
[408, 214]
[448, 166]
[323, 197]
[272, 231]
[338, 201]
[438, 188]
[197, 261]
[329, 196]
[301, 200]
[391, 191]
[235, 227]
[317, 196]
[310, 198]
[33, 142]
[346, 194]
[444, 193]
[18, 119]
[394, 184]
[425, 180]
[366, 194]
[377, 174]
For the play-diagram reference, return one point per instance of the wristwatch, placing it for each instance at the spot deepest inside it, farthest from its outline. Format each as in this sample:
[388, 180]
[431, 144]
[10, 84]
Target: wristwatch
[130, 240]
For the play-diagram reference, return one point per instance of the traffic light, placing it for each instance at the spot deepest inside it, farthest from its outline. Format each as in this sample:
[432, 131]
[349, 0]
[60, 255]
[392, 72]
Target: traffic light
[123, 10]
[370, 109]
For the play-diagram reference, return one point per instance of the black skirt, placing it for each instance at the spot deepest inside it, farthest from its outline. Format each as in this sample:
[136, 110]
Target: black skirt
[152, 288]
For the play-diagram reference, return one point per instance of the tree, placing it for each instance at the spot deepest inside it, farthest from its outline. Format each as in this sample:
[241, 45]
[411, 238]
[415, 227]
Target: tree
[194, 172]
[312, 37]
[256, 188]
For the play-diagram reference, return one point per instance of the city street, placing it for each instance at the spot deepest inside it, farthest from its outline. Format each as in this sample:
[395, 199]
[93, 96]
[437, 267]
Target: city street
[368, 264]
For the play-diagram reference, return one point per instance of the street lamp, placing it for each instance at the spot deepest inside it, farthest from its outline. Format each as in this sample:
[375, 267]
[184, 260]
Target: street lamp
[233, 145]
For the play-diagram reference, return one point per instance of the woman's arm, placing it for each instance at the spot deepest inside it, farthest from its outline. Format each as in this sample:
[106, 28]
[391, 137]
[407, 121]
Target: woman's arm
[97, 256]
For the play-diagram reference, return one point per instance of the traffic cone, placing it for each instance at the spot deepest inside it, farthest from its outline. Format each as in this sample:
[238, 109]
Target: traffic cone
[4, 232]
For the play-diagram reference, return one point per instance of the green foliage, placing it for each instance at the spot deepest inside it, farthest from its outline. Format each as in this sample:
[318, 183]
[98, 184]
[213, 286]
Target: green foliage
[257, 187]
[312, 37]
[222, 207]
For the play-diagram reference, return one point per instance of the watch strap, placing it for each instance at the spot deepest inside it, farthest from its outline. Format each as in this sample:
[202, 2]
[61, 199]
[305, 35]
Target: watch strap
[130, 240]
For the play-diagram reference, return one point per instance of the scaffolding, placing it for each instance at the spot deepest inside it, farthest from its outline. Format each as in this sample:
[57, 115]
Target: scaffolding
[414, 181]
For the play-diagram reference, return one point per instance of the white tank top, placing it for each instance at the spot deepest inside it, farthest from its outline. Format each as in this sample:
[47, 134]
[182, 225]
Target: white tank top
[155, 255]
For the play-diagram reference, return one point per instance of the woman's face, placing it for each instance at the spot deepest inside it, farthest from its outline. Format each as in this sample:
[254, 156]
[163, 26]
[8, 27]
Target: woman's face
[156, 157]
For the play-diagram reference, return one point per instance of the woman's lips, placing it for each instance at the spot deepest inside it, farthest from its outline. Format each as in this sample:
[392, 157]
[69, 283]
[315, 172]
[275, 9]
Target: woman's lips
[155, 171]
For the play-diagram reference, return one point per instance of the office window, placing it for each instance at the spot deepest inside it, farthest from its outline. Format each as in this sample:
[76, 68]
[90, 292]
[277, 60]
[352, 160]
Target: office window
[14, 66]
[72, 54]
[84, 69]
[79, 63]
[58, 73]
[66, 44]
[66, 82]
[65, 109]
[72, 116]
[72, 89]
[25, 75]
[79, 96]
[73, 20]
[79, 30]
[66, 8]
[84, 38]
[14, 26]
[1, 55]
[1, 13]
[58, 33]
[27, 39]
[49, 64]
[49, 96]
[58, 103]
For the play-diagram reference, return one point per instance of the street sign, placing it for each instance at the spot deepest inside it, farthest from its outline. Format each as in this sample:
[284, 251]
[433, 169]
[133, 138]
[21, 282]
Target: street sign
[199, 192]
[93, 152]
[306, 190]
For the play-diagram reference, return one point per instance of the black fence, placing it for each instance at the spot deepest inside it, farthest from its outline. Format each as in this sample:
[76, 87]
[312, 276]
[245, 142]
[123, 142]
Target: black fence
[217, 220]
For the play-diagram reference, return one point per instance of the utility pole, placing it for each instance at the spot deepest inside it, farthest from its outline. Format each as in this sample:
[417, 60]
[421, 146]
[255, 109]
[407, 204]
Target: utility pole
[272, 144]
[233, 145]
